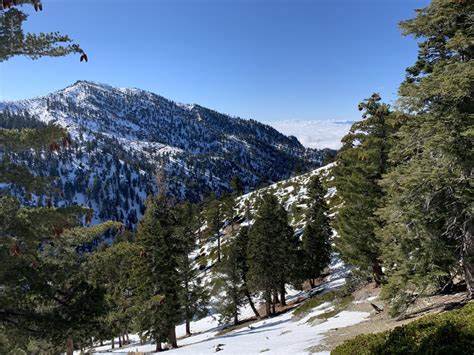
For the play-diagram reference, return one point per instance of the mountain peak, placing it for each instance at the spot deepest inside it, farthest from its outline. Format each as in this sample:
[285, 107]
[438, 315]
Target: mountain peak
[92, 83]
[81, 84]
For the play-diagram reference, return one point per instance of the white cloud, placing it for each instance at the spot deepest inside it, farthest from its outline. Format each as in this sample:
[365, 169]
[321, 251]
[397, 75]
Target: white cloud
[315, 134]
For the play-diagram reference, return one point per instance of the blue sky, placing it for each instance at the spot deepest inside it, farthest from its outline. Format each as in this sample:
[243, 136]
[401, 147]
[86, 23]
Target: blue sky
[275, 60]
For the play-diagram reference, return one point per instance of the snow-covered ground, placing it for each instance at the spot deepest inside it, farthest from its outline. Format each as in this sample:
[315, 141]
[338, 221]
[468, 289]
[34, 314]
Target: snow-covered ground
[278, 335]
[282, 334]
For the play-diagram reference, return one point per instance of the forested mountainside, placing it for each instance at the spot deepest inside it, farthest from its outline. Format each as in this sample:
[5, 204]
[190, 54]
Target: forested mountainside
[120, 138]
[292, 194]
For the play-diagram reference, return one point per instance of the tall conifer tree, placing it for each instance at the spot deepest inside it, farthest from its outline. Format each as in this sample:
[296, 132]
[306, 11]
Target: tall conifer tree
[428, 219]
[233, 275]
[156, 273]
[109, 267]
[361, 162]
[271, 250]
[194, 294]
[317, 233]
[214, 216]
[230, 285]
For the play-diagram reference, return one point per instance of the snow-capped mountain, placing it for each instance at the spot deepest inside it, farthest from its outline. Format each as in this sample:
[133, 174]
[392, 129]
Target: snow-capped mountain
[123, 136]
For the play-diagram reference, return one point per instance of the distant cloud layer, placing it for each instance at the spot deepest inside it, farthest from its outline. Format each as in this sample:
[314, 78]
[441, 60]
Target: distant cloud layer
[315, 134]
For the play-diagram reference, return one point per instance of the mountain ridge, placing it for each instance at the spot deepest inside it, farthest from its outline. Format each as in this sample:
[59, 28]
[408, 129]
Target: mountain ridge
[122, 136]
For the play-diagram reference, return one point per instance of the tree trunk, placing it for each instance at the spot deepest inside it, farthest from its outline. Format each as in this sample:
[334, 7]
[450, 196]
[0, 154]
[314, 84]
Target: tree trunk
[218, 246]
[113, 343]
[236, 318]
[274, 301]
[128, 339]
[120, 341]
[268, 301]
[311, 283]
[377, 272]
[188, 327]
[275, 297]
[252, 305]
[282, 295]
[172, 338]
[69, 346]
[187, 311]
[101, 342]
[158, 346]
[200, 224]
[467, 257]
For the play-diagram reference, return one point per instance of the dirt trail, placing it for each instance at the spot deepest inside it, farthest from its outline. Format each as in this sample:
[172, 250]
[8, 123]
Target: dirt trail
[379, 322]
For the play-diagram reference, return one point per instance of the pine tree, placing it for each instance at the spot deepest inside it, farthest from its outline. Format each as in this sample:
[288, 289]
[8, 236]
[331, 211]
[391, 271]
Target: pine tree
[40, 250]
[428, 208]
[110, 268]
[360, 164]
[156, 273]
[228, 212]
[229, 275]
[39, 246]
[229, 285]
[213, 214]
[195, 296]
[232, 276]
[241, 249]
[237, 186]
[40, 253]
[271, 251]
[317, 233]
[13, 42]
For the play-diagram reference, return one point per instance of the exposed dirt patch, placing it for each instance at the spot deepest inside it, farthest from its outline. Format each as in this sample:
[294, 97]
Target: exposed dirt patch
[379, 322]
[247, 323]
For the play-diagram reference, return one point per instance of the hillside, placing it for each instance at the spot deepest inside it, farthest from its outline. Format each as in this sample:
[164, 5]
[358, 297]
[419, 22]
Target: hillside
[121, 138]
[314, 321]
[292, 193]
[288, 332]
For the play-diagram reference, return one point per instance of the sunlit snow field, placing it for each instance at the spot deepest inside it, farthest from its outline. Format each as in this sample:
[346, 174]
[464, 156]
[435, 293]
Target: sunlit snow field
[282, 334]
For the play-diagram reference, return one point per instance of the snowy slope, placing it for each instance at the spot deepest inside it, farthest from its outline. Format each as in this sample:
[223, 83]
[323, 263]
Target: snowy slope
[292, 193]
[282, 334]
